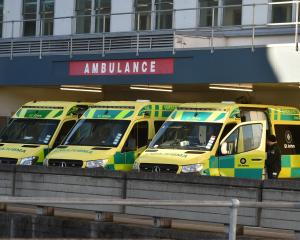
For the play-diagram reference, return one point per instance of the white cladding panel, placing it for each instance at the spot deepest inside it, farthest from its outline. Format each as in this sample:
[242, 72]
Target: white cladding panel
[122, 23]
[186, 18]
[260, 12]
[63, 8]
[12, 12]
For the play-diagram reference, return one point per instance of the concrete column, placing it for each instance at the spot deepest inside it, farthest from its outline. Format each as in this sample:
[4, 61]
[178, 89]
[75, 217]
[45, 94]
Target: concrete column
[104, 217]
[46, 211]
[186, 18]
[3, 207]
[64, 9]
[12, 12]
[159, 222]
[122, 23]
[260, 12]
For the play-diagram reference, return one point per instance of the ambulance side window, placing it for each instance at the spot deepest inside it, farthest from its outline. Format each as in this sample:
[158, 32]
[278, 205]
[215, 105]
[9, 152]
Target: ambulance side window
[138, 137]
[227, 129]
[157, 125]
[243, 139]
[65, 129]
[288, 138]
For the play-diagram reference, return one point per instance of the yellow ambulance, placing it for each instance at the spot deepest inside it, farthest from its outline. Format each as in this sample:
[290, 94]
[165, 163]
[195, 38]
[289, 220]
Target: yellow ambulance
[224, 139]
[111, 135]
[36, 128]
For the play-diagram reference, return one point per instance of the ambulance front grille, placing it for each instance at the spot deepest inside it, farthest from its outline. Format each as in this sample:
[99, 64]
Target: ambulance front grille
[65, 163]
[8, 160]
[159, 168]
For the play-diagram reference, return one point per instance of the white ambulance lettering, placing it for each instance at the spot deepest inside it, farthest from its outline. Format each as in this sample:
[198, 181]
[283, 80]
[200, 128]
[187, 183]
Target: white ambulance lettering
[144, 67]
[95, 68]
[111, 67]
[153, 66]
[136, 67]
[103, 68]
[119, 68]
[127, 68]
[87, 69]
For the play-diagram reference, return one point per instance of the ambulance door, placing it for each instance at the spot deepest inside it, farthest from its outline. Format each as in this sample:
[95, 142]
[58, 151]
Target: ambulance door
[242, 152]
[135, 144]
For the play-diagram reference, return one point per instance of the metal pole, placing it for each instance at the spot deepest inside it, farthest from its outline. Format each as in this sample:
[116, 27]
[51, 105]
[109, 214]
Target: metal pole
[12, 41]
[41, 40]
[71, 39]
[233, 219]
[212, 31]
[253, 27]
[138, 35]
[297, 26]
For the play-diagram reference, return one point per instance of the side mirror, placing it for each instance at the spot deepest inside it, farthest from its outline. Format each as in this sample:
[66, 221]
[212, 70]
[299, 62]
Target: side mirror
[224, 149]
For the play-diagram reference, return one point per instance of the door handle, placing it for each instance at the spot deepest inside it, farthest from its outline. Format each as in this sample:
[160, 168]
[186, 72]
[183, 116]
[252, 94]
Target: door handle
[256, 159]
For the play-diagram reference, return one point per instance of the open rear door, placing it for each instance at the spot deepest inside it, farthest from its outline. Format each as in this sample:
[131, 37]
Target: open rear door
[242, 152]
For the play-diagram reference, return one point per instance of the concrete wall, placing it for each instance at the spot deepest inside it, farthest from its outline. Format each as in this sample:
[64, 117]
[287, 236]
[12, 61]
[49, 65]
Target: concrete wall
[260, 12]
[24, 181]
[286, 191]
[172, 187]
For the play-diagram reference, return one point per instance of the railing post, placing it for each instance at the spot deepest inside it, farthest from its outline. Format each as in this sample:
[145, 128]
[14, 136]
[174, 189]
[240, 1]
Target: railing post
[138, 36]
[41, 40]
[12, 40]
[253, 27]
[297, 26]
[71, 39]
[233, 219]
[212, 31]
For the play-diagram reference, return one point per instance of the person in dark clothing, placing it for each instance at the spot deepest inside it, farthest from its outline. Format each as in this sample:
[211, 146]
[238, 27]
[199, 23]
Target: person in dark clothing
[273, 162]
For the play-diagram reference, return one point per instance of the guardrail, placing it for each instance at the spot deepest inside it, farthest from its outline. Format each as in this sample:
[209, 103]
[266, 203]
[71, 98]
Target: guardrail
[139, 38]
[234, 204]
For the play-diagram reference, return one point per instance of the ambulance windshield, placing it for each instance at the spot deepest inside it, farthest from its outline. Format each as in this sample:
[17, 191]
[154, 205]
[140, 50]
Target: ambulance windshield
[29, 131]
[187, 136]
[97, 132]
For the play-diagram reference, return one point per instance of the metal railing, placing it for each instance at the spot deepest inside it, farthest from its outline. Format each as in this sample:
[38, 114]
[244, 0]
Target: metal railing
[142, 37]
[234, 205]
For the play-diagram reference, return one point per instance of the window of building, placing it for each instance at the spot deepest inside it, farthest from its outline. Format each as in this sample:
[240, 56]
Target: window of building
[1, 17]
[164, 14]
[29, 17]
[83, 16]
[207, 12]
[282, 13]
[93, 16]
[226, 12]
[38, 17]
[47, 15]
[102, 12]
[232, 12]
[143, 14]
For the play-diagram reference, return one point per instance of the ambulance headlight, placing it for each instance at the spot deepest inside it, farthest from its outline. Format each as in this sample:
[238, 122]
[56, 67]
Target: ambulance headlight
[136, 166]
[28, 161]
[192, 168]
[96, 163]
